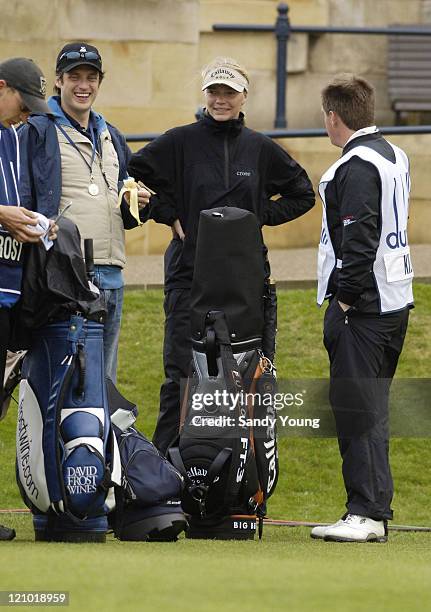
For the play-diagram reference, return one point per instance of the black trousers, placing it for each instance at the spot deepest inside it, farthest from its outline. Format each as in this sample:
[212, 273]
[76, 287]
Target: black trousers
[363, 351]
[177, 355]
[5, 330]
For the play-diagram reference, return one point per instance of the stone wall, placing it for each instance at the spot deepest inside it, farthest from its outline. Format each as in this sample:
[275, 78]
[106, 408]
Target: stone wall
[317, 154]
[153, 51]
[149, 50]
[312, 59]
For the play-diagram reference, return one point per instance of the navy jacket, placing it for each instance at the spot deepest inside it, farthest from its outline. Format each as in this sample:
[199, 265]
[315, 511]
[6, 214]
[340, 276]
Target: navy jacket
[10, 249]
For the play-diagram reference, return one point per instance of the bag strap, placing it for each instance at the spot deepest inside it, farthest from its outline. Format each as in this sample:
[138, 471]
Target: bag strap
[217, 323]
[51, 431]
[218, 464]
[211, 351]
[62, 380]
[241, 442]
[265, 442]
[199, 492]
[119, 511]
[175, 458]
[51, 448]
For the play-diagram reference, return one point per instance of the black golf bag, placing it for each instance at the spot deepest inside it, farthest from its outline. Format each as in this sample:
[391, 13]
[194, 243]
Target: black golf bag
[67, 455]
[227, 450]
[148, 502]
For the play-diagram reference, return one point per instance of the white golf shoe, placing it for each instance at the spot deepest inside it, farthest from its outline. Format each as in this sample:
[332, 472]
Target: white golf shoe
[355, 528]
[318, 533]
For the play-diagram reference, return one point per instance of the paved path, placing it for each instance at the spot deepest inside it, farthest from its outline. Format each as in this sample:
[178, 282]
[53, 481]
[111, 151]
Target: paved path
[290, 267]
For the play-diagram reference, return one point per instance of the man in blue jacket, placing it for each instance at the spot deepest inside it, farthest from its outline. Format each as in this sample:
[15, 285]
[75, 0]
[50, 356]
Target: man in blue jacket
[22, 90]
[74, 157]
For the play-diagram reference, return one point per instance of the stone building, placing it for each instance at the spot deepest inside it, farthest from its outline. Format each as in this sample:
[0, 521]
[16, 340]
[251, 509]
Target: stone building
[153, 51]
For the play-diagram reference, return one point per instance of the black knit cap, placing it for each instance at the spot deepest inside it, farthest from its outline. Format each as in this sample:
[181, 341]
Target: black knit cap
[26, 77]
[78, 54]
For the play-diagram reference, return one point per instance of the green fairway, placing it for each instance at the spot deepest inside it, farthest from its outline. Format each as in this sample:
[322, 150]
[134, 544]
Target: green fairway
[287, 570]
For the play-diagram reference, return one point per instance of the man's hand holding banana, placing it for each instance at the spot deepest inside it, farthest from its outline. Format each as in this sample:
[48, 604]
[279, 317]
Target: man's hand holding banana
[137, 196]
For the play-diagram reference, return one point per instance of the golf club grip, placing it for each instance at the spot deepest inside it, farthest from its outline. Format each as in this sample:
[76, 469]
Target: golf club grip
[88, 256]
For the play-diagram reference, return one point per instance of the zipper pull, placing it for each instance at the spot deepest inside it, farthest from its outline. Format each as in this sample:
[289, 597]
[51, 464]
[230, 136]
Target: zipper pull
[346, 320]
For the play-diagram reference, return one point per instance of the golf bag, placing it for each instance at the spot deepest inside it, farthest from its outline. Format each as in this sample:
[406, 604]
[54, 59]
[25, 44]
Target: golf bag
[227, 450]
[67, 455]
[148, 502]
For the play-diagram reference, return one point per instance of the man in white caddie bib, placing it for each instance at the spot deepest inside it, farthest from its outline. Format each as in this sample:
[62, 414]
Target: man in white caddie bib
[365, 271]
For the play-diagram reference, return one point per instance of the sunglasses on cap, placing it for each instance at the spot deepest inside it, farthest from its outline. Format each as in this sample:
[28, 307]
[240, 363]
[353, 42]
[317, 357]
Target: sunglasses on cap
[76, 55]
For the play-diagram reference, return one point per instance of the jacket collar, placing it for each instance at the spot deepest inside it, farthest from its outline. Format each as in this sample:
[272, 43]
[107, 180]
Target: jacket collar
[95, 119]
[360, 140]
[233, 125]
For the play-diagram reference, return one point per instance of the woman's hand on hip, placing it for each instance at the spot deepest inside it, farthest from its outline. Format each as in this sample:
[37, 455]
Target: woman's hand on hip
[177, 229]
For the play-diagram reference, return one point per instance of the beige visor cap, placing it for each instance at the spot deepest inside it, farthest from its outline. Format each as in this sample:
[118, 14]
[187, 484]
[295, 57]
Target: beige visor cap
[224, 75]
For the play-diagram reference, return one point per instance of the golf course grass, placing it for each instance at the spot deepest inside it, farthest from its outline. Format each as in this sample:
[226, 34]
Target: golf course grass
[286, 570]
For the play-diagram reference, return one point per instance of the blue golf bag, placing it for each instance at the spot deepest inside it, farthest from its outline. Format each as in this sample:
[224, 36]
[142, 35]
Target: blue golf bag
[67, 454]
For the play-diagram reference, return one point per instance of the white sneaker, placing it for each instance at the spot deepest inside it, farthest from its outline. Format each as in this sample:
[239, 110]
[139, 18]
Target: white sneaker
[355, 528]
[318, 533]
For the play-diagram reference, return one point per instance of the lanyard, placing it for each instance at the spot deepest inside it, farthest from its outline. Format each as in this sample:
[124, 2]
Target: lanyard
[93, 143]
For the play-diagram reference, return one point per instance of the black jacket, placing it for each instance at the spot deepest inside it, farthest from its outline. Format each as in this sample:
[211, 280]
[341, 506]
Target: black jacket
[55, 286]
[212, 163]
[353, 208]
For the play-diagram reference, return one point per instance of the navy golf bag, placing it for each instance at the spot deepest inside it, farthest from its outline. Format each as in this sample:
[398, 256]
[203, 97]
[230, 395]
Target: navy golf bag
[67, 455]
[227, 450]
[148, 502]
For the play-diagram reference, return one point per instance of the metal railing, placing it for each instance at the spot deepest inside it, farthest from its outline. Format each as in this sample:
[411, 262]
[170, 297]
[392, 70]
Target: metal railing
[282, 30]
[306, 133]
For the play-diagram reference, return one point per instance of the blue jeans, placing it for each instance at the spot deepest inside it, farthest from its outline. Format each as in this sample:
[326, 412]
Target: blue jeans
[111, 333]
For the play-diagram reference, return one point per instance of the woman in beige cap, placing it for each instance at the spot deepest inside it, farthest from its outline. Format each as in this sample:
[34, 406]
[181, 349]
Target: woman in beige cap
[216, 161]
